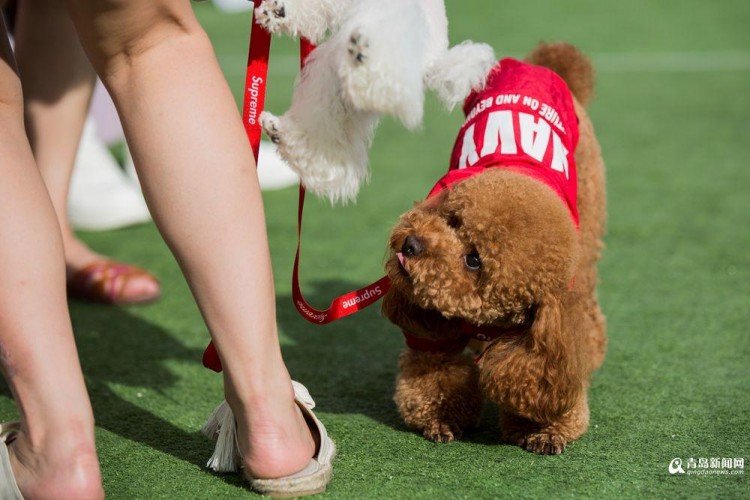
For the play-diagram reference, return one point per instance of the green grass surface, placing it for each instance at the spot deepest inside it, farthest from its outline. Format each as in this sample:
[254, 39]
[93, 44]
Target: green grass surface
[673, 116]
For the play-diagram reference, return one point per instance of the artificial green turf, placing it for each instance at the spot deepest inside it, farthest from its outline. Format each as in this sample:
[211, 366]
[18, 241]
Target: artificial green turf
[673, 116]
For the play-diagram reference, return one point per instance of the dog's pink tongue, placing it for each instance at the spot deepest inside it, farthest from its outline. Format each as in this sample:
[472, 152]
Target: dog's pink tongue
[400, 257]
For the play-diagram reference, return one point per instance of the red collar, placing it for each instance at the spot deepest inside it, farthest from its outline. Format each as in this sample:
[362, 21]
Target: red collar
[458, 344]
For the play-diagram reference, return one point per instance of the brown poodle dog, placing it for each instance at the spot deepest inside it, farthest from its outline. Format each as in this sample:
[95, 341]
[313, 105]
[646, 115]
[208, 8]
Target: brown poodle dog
[501, 257]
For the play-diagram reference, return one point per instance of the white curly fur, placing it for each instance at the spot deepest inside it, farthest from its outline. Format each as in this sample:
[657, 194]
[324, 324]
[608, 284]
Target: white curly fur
[378, 59]
[307, 18]
[323, 137]
[460, 70]
[385, 80]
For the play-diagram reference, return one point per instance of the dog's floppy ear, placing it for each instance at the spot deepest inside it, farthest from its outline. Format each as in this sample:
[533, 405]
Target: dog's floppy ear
[547, 324]
[558, 368]
[435, 201]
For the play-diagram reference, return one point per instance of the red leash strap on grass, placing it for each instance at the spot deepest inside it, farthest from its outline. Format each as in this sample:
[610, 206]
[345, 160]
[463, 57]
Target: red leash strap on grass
[254, 100]
[341, 306]
[348, 303]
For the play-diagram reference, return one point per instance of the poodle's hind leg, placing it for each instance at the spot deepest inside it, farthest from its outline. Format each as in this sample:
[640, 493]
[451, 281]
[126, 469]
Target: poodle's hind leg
[438, 394]
[382, 51]
[549, 438]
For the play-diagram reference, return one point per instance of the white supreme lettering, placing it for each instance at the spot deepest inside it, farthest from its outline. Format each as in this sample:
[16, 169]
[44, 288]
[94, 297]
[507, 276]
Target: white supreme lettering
[317, 317]
[361, 298]
[253, 92]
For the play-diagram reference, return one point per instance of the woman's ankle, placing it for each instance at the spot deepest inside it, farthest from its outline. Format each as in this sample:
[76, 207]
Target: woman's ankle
[262, 380]
[275, 445]
[274, 438]
[62, 467]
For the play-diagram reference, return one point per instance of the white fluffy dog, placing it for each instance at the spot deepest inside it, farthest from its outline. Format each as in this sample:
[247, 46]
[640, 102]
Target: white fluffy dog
[380, 56]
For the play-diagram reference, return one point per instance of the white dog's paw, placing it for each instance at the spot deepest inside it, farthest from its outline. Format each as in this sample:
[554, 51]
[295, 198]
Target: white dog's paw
[310, 19]
[381, 58]
[372, 80]
[357, 47]
[271, 125]
[271, 15]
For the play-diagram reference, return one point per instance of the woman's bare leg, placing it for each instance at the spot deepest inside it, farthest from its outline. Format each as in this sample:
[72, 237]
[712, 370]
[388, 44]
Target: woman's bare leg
[54, 454]
[58, 81]
[199, 179]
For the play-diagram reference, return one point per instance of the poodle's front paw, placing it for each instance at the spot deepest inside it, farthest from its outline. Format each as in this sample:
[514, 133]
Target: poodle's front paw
[271, 15]
[543, 443]
[442, 432]
[357, 47]
[271, 126]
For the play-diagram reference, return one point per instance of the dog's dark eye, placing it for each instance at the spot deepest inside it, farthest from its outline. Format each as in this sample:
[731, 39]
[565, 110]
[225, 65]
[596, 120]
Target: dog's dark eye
[453, 221]
[473, 261]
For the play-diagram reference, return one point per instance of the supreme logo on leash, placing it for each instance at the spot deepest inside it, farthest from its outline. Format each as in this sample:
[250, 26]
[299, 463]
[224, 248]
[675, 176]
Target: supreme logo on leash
[375, 292]
[253, 92]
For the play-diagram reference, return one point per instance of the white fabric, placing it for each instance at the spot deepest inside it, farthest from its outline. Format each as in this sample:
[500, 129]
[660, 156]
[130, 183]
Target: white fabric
[8, 486]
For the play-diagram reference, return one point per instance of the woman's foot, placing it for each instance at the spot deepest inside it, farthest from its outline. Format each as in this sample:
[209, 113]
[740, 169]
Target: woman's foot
[274, 438]
[95, 278]
[62, 467]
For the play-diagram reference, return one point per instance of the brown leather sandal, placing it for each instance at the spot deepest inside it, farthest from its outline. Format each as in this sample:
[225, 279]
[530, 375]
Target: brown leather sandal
[105, 282]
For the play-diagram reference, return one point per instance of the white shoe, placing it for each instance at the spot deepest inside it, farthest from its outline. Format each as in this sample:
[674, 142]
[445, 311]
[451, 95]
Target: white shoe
[273, 172]
[314, 478]
[101, 195]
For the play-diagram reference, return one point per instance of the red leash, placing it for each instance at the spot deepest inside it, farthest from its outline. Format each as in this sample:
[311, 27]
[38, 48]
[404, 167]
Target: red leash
[255, 96]
[341, 306]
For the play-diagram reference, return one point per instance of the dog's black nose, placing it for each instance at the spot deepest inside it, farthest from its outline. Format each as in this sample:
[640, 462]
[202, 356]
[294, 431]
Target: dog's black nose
[412, 246]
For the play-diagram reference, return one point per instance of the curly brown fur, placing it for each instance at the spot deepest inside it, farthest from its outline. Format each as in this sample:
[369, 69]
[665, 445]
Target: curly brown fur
[438, 394]
[530, 251]
[571, 64]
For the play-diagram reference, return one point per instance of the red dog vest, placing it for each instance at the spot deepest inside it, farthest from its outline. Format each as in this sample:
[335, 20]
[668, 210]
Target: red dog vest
[523, 120]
